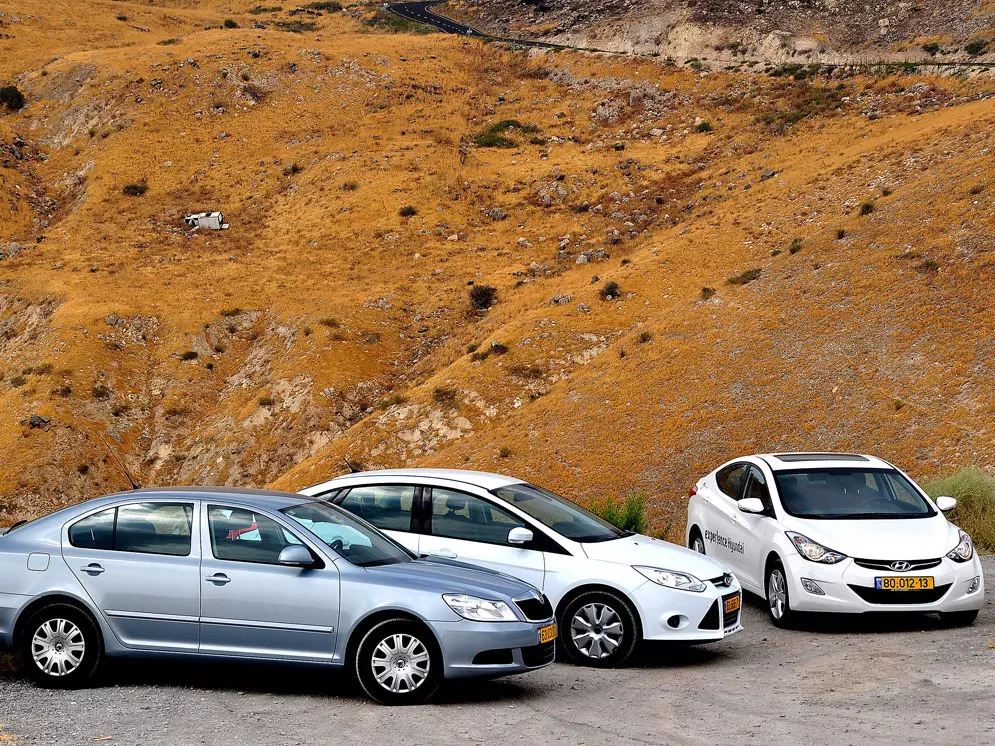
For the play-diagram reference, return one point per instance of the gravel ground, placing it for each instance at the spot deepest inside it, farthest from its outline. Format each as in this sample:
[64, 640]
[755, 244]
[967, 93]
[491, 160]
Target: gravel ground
[839, 680]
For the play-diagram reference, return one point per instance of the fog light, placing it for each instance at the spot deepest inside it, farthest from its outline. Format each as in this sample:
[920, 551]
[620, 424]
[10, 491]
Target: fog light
[812, 587]
[975, 584]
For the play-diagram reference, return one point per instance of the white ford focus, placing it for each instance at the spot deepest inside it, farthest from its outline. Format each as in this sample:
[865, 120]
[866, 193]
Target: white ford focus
[610, 589]
[835, 532]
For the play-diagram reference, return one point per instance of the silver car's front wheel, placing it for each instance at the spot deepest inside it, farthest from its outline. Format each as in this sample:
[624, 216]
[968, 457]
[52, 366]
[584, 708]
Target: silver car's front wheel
[398, 662]
[60, 646]
[401, 663]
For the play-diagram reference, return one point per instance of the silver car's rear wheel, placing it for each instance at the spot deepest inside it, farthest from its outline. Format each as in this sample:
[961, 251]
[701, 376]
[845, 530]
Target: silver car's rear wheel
[60, 646]
[398, 662]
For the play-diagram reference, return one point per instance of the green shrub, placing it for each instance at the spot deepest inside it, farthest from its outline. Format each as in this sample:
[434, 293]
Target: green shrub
[135, 190]
[408, 211]
[11, 98]
[745, 277]
[330, 5]
[707, 293]
[795, 247]
[189, 355]
[296, 27]
[610, 290]
[840, 233]
[483, 297]
[976, 47]
[230, 23]
[704, 127]
[974, 491]
[384, 20]
[931, 48]
[627, 513]
[866, 208]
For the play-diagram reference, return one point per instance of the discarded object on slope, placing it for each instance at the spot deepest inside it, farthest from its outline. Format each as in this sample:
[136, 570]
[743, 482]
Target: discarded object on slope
[212, 221]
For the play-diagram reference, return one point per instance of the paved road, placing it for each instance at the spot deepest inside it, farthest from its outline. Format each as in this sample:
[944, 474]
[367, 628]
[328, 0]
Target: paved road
[422, 13]
[838, 681]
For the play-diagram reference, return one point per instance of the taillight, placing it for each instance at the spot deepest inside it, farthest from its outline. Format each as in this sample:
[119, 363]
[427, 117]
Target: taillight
[693, 491]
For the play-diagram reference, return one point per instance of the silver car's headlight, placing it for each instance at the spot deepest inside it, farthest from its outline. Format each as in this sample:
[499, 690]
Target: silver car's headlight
[964, 549]
[813, 551]
[479, 609]
[682, 581]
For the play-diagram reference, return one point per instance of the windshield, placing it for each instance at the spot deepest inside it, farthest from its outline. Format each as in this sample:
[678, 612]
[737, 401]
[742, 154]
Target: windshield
[354, 540]
[850, 493]
[566, 518]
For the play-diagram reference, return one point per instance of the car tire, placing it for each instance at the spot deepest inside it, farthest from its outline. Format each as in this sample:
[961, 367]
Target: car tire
[777, 596]
[599, 629]
[695, 542]
[398, 662]
[61, 647]
[958, 618]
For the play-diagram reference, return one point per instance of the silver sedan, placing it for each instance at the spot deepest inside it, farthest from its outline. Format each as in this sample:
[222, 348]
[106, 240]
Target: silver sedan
[256, 575]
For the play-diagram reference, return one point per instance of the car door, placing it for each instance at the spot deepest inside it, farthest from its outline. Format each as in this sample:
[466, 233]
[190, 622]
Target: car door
[139, 563]
[720, 513]
[465, 527]
[386, 506]
[253, 606]
[749, 532]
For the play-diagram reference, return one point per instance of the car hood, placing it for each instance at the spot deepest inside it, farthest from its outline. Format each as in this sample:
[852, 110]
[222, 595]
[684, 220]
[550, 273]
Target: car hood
[881, 539]
[644, 550]
[447, 577]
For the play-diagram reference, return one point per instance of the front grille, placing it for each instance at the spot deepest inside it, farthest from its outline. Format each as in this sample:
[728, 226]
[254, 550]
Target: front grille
[539, 655]
[494, 657]
[536, 609]
[889, 598]
[711, 619]
[730, 618]
[885, 565]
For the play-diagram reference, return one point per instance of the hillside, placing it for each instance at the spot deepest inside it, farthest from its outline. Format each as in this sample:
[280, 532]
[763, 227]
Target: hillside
[327, 324]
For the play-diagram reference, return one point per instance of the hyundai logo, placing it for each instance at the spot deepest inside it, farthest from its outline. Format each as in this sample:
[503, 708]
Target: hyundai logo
[901, 566]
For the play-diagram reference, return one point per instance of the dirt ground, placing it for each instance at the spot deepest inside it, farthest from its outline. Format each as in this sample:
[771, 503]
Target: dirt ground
[891, 680]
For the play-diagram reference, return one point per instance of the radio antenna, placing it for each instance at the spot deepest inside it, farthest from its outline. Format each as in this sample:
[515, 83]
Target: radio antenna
[120, 465]
[353, 468]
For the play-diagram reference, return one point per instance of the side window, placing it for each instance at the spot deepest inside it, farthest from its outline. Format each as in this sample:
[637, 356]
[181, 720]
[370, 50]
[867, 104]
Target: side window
[240, 535]
[94, 532]
[757, 487]
[385, 506]
[147, 528]
[154, 528]
[730, 479]
[457, 515]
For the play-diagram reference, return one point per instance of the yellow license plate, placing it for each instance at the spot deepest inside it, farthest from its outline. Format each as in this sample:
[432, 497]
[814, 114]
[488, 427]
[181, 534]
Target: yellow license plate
[920, 583]
[547, 634]
[732, 604]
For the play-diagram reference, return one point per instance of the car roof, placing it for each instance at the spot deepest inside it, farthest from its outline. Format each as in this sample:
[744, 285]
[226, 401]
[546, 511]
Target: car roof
[820, 460]
[269, 499]
[484, 479]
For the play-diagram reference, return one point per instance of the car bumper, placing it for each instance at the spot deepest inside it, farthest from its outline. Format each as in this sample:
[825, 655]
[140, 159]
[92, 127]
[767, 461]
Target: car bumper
[492, 649]
[669, 614]
[849, 588]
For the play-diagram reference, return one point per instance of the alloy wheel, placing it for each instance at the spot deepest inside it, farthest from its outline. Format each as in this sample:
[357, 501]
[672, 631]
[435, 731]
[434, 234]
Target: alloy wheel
[698, 545]
[57, 647]
[401, 663]
[777, 593]
[596, 630]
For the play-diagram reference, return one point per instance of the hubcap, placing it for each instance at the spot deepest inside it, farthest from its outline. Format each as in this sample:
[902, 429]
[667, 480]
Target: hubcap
[58, 647]
[777, 594]
[596, 630]
[400, 663]
[698, 545]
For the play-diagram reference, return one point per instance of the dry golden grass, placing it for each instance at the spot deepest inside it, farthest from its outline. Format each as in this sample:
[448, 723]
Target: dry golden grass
[812, 354]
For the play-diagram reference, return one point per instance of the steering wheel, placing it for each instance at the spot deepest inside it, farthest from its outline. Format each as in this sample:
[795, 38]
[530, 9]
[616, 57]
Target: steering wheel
[337, 545]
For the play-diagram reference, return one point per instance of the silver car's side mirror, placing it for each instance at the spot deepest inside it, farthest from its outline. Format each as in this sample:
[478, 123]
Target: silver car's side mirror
[519, 535]
[296, 556]
[946, 503]
[751, 505]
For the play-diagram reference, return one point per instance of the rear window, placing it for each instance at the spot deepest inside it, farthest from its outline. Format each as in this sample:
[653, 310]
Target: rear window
[145, 528]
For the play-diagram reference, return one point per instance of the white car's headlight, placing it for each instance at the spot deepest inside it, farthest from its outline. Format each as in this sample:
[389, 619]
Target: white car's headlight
[964, 549]
[682, 581]
[813, 551]
[479, 609]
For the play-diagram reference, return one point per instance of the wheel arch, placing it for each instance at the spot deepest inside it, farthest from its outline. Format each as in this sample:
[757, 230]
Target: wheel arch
[37, 604]
[694, 530]
[371, 620]
[572, 594]
[772, 557]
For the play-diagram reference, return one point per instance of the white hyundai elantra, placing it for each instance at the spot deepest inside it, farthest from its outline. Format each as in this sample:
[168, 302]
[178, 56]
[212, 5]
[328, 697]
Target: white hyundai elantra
[610, 588]
[835, 532]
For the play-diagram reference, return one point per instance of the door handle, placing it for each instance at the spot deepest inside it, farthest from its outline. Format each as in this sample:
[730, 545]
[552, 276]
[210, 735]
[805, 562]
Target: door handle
[444, 553]
[218, 579]
[92, 569]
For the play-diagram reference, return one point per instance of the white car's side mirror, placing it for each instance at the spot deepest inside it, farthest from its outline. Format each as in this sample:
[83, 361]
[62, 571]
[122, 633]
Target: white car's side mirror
[946, 503]
[751, 505]
[519, 535]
